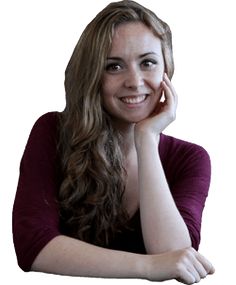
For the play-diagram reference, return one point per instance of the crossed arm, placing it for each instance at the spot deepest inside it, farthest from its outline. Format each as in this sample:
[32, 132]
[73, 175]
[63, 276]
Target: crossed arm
[165, 234]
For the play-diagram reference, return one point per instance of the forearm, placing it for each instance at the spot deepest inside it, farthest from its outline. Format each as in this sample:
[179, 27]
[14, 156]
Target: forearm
[163, 227]
[67, 256]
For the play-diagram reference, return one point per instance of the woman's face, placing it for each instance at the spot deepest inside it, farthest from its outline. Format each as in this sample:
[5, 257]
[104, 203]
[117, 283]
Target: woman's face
[131, 83]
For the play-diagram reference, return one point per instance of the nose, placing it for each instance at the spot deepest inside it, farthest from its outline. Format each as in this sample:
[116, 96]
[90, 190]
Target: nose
[134, 79]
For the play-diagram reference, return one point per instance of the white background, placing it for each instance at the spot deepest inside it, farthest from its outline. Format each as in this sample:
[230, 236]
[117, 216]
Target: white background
[37, 39]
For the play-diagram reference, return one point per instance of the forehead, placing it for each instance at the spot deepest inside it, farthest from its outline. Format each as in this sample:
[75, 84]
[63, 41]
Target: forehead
[134, 38]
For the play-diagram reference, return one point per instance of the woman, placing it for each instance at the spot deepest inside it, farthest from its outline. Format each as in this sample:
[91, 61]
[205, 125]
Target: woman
[102, 192]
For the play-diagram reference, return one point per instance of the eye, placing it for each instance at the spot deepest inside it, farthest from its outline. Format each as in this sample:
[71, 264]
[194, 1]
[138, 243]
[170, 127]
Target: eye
[113, 67]
[149, 63]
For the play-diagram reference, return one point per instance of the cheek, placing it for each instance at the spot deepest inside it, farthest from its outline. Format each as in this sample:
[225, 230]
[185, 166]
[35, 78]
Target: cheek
[157, 86]
[107, 93]
[108, 86]
[157, 82]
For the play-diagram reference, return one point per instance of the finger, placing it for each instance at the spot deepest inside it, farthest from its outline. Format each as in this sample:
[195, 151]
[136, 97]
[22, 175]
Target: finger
[168, 93]
[200, 269]
[192, 270]
[206, 264]
[186, 277]
[169, 83]
[196, 263]
[170, 101]
[171, 88]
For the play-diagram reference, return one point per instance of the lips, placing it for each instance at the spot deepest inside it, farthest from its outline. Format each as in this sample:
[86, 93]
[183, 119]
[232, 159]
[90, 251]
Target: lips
[133, 99]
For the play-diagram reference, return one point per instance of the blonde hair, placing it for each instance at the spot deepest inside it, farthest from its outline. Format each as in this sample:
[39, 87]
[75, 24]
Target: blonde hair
[92, 189]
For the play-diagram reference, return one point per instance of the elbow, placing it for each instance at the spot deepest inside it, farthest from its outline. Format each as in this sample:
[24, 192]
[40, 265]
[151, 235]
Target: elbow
[24, 266]
[23, 261]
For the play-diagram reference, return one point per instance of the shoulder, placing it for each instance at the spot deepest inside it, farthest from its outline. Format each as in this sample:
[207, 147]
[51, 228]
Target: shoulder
[49, 120]
[46, 126]
[171, 145]
[182, 156]
[43, 136]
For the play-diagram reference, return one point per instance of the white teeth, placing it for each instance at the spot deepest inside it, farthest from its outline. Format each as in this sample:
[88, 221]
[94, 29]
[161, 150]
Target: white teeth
[133, 100]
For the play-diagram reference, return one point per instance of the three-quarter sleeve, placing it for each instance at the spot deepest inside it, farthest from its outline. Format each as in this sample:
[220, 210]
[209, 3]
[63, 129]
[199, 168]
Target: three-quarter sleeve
[35, 210]
[188, 171]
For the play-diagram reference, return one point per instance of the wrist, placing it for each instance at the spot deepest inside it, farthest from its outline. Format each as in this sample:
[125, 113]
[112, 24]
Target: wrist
[153, 269]
[144, 265]
[143, 139]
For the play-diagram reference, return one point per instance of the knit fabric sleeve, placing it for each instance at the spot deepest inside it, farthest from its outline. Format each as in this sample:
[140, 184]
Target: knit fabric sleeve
[188, 171]
[35, 211]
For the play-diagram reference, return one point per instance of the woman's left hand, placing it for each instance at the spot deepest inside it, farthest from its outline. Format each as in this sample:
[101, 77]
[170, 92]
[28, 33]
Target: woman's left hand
[164, 113]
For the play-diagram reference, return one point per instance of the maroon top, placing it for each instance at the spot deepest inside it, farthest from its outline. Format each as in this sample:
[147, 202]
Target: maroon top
[35, 212]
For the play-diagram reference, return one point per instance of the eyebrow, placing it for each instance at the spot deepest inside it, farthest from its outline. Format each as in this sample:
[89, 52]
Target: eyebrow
[148, 53]
[141, 56]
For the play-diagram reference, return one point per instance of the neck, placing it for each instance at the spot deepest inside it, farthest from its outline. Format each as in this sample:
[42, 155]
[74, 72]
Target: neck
[127, 133]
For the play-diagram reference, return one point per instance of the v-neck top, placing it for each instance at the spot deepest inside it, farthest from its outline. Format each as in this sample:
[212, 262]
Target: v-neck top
[36, 219]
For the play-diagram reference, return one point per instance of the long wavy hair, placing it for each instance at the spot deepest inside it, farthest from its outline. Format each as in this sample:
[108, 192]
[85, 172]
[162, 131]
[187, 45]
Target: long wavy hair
[94, 178]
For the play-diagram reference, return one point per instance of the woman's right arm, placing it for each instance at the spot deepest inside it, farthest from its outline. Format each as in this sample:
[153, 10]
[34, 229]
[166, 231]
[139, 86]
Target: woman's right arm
[67, 256]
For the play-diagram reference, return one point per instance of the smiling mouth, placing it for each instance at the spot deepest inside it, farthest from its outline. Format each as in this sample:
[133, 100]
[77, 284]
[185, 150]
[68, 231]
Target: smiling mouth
[134, 99]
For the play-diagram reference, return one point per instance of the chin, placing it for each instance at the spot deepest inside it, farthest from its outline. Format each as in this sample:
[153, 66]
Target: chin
[131, 119]
[137, 120]
[141, 118]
